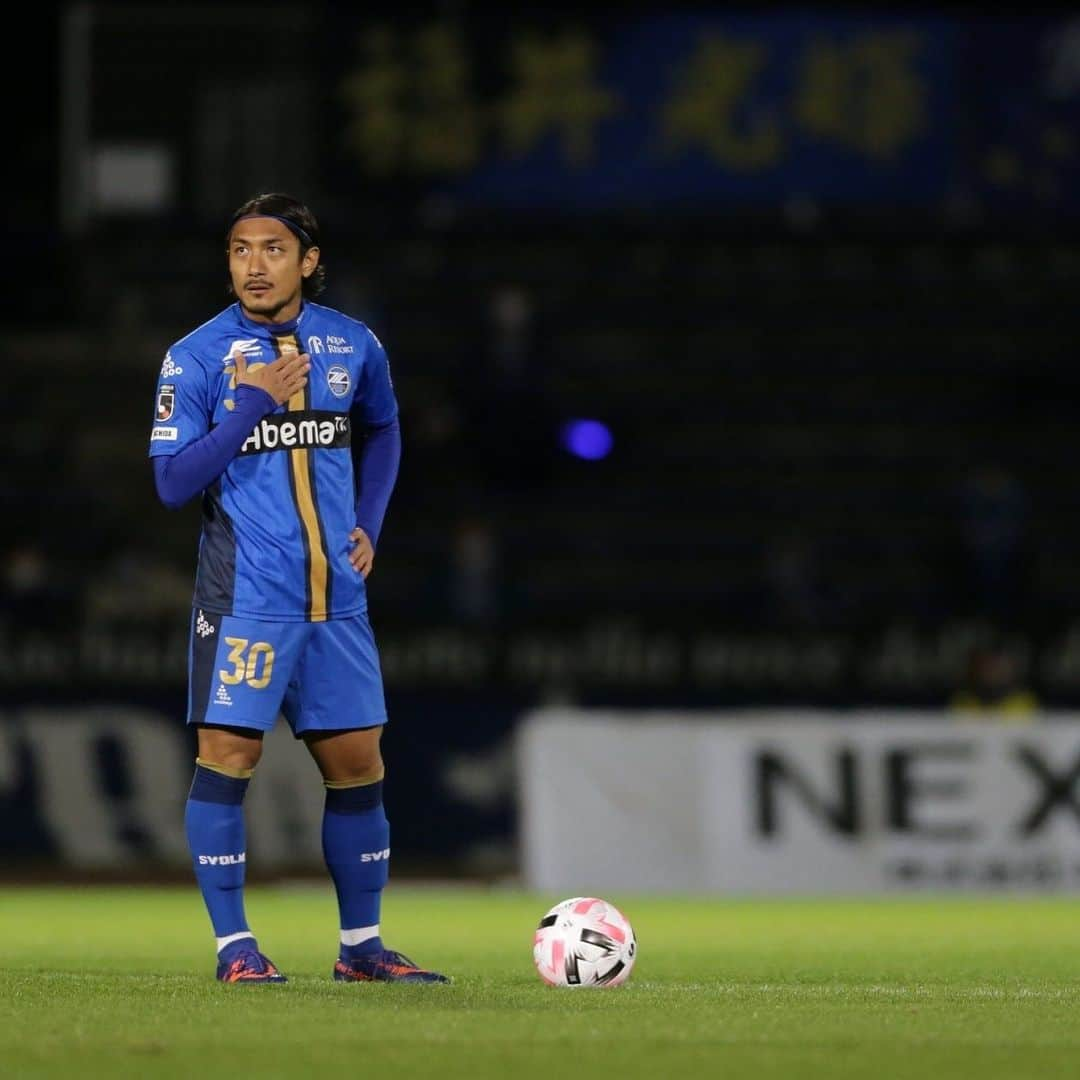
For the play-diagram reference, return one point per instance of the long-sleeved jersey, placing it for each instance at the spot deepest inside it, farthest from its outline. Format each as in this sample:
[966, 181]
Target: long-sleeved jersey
[276, 523]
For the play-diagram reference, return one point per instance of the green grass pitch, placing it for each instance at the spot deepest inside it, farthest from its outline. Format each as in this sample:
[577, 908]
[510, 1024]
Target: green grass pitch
[118, 982]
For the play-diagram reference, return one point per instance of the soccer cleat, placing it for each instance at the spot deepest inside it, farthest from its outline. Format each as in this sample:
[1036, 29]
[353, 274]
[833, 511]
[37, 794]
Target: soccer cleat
[247, 965]
[384, 966]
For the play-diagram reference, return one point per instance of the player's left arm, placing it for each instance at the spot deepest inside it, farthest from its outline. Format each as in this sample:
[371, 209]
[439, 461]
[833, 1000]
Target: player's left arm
[376, 469]
[375, 413]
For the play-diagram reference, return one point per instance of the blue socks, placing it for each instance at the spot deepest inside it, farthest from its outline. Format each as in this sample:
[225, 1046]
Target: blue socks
[214, 820]
[356, 845]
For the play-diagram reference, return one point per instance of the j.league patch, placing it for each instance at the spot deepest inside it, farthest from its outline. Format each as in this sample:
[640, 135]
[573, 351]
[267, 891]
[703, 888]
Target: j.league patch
[166, 400]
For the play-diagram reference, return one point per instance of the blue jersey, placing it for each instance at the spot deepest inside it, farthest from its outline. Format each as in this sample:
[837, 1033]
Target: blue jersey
[275, 537]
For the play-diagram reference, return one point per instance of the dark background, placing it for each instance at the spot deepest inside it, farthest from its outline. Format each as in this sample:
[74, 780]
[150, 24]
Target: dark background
[815, 271]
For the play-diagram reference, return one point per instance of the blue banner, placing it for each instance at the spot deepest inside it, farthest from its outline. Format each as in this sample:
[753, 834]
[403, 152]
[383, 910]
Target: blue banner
[706, 111]
[729, 109]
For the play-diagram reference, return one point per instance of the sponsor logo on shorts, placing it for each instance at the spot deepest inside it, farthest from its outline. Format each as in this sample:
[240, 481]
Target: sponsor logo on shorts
[203, 627]
[337, 378]
[222, 696]
[310, 429]
[164, 434]
[375, 856]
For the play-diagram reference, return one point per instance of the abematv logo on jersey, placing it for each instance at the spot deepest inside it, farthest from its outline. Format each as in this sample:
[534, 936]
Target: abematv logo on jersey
[314, 429]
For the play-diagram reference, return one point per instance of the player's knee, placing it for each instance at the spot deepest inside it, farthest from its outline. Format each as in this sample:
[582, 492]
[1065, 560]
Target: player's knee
[240, 760]
[354, 768]
[229, 749]
[365, 761]
[349, 756]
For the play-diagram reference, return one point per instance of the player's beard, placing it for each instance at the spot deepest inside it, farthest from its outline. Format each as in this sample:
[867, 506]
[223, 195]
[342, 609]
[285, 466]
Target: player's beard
[265, 306]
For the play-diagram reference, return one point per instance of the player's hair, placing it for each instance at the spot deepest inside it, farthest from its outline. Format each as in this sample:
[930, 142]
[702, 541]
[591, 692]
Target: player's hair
[299, 220]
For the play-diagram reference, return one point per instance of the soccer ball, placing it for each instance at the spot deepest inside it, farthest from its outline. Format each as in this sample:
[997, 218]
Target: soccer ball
[584, 941]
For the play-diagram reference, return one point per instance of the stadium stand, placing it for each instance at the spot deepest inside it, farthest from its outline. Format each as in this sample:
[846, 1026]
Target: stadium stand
[796, 422]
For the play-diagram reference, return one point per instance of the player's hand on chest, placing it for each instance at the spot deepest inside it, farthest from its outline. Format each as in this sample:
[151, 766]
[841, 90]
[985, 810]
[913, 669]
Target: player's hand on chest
[282, 378]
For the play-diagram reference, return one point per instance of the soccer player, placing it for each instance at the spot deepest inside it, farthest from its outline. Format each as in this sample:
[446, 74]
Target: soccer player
[282, 414]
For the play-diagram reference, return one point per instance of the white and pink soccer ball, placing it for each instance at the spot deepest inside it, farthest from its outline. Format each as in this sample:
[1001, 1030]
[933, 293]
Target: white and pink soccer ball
[584, 941]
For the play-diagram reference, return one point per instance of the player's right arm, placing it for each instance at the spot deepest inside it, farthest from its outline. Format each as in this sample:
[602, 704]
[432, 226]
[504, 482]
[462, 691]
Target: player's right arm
[189, 455]
[280, 379]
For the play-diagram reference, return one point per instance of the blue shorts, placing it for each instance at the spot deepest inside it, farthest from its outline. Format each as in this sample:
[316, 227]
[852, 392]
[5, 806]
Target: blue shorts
[322, 676]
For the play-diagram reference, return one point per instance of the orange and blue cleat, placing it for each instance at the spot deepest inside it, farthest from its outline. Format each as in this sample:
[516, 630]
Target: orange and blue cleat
[383, 966]
[242, 962]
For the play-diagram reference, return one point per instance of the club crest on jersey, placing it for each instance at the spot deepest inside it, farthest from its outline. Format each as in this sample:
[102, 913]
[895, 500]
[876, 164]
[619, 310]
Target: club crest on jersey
[166, 402]
[337, 378]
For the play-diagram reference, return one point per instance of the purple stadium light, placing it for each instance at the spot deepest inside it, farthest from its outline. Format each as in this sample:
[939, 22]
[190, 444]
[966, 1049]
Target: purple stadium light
[588, 439]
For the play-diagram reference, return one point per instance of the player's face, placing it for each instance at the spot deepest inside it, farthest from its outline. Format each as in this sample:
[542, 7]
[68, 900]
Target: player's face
[267, 269]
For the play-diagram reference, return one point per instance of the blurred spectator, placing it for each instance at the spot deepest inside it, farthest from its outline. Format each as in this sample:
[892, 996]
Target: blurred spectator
[350, 289]
[434, 443]
[994, 686]
[994, 575]
[34, 597]
[798, 592]
[474, 580]
[510, 421]
[136, 585]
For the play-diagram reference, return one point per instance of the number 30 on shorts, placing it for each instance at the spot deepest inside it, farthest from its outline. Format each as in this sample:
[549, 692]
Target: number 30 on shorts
[247, 663]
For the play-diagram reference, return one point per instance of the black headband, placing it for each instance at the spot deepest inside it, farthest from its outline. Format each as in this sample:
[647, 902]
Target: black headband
[290, 225]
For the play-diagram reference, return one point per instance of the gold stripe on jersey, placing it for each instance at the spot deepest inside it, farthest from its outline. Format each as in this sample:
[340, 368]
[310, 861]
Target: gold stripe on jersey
[303, 488]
